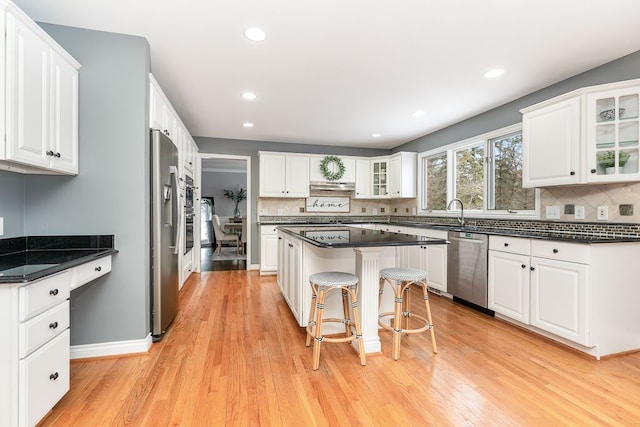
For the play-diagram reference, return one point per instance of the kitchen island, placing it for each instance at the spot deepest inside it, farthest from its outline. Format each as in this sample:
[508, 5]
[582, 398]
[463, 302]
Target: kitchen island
[304, 250]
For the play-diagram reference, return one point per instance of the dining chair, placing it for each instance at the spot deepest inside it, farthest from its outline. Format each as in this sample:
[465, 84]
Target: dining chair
[221, 236]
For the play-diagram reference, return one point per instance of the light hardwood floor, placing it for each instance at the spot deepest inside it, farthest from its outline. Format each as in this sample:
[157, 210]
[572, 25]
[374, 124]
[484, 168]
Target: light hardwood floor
[235, 356]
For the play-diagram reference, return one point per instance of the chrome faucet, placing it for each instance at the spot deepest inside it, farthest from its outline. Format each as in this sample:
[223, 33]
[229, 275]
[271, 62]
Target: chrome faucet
[461, 219]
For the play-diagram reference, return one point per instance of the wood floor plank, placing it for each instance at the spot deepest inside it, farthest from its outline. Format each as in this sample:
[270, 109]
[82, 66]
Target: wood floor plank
[235, 356]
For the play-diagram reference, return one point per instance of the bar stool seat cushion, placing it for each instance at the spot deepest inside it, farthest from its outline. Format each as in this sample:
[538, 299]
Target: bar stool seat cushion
[404, 274]
[333, 279]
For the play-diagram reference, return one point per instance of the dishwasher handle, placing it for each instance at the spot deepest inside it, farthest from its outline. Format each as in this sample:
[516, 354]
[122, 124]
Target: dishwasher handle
[475, 241]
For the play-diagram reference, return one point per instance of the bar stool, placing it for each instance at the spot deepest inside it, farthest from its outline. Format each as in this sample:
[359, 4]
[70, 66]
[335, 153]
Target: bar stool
[404, 278]
[321, 285]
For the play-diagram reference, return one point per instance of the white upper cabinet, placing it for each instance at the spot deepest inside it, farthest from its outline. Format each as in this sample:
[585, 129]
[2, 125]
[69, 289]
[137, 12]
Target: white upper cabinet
[402, 175]
[315, 174]
[284, 175]
[612, 135]
[363, 179]
[551, 138]
[41, 117]
[586, 136]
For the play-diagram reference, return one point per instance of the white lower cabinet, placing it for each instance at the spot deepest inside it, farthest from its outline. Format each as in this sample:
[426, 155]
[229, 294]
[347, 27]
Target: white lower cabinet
[559, 301]
[290, 273]
[34, 355]
[580, 294]
[268, 249]
[430, 258]
[44, 379]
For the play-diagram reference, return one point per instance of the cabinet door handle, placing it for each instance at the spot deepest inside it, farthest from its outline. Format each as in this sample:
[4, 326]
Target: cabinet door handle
[524, 266]
[50, 153]
[53, 325]
[58, 155]
[53, 292]
[506, 244]
[593, 171]
[572, 173]
[555, 251]
[98, 268]
[531, 268]
[290, 245]
[53, 376]
[279, 238]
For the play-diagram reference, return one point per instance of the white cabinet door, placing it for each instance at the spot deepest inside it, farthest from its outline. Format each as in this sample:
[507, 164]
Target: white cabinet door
[268, 249]
[297, 176]
[551, 145]
[294, 249]
[402, 175]
[380, 178]
[509, 285]
[64, 126]
[272, 175]
[437, 266]
[613, 127]
[280, 267]
[363, 179]
[28, 91]
[559, 298]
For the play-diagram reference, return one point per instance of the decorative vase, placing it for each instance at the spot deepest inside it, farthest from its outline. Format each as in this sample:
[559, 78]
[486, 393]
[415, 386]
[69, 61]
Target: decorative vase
[236, 212]
[612, 170]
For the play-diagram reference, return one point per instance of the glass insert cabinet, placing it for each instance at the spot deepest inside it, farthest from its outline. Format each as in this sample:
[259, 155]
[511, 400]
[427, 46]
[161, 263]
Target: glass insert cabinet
[612, 134]
[380, 174]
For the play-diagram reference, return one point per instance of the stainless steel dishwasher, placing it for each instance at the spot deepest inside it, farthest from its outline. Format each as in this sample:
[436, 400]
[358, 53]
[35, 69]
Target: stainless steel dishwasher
[467, 269]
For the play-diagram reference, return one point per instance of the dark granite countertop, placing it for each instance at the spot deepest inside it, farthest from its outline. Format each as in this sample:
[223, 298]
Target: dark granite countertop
[327, 236]
[25, 259]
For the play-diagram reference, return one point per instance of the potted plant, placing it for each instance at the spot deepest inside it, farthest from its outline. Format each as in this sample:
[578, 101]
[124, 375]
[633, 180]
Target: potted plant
[237, 197]
[607, 160]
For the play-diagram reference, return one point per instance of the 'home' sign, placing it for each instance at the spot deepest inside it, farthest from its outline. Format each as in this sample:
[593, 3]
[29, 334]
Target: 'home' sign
[327, 204]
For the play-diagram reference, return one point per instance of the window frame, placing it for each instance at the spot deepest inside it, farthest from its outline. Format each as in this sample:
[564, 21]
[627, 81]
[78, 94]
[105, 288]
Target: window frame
[450, 150]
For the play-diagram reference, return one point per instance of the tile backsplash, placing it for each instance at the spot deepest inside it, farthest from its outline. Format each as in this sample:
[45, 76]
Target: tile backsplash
[620, 199]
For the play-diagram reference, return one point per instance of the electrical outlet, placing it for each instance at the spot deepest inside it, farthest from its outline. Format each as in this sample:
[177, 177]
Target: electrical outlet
[1, 226]
[263, 211]
[553, 212]
[375, 211]
[602, 213]
[578, 212]
[280, 211]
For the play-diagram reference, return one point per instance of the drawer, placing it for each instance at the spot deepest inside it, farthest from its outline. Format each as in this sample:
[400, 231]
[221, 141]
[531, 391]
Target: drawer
[268, 230]
[37, 331]
[561, 251]
[39, 296]
[43, 379]
[85, 273]
[514, 245]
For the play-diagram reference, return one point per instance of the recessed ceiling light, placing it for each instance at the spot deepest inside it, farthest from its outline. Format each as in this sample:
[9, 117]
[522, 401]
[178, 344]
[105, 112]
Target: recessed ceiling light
[249, 95]
[418, 114]
[496, 72]
[255, 34]
[376, 135]
[247, 125]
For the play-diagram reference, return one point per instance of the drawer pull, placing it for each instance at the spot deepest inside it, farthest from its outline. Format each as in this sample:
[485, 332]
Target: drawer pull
[524, 266]
[555, 251]
[54, 376]
[506, 244]
[98, 268]
[53, 325]
[53, 292]
[531, 268]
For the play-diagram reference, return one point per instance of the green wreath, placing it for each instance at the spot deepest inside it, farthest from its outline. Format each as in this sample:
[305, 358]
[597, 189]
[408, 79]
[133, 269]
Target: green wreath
[328, 165]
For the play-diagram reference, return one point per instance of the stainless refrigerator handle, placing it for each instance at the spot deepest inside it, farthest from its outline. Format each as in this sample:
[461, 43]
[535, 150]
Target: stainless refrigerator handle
[175, 212]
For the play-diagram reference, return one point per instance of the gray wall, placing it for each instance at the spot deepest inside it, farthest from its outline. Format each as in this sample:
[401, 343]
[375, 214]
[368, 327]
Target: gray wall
[110, 195]
[214, 184]
[12, 200]
[625, 68]
[251, 148]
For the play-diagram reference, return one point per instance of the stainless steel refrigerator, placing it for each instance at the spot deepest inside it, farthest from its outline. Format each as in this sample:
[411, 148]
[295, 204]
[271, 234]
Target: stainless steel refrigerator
[165, 226]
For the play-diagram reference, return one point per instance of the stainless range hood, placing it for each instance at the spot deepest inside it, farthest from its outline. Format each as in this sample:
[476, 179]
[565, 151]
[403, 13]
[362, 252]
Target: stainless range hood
[332, 186]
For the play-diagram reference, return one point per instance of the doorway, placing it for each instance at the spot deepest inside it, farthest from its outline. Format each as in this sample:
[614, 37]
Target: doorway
[224, 192]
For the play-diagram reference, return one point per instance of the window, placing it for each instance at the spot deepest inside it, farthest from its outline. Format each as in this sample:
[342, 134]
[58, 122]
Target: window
[484, 172]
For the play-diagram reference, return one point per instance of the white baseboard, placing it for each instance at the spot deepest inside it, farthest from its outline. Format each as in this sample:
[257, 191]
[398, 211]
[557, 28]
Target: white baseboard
[253, 267]
[115, 348]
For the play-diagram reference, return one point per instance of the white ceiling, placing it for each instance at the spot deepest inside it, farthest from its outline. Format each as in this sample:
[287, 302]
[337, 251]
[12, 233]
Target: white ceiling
[333, 71]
